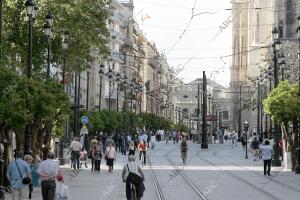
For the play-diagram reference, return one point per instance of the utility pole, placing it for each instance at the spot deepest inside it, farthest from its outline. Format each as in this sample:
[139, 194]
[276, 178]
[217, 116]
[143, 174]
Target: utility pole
[78, 105]
[87, 89]
[258, 108]
[198, 114]
[75, 103]
[204, 112]
[240, 113]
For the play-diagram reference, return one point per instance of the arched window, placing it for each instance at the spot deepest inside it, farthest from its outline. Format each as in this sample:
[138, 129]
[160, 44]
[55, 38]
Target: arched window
[185, 112]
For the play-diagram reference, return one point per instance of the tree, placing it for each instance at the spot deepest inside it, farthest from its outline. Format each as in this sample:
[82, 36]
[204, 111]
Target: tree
[86, 22]
[283, 103]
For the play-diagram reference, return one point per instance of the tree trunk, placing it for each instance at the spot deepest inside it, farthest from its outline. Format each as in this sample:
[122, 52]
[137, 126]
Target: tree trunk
[7, 153]
[294, 144]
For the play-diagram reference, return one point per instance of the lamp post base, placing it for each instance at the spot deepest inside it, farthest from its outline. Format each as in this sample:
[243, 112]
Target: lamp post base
[204, 146]
[297, 168]
[276, 163]
[61, 161]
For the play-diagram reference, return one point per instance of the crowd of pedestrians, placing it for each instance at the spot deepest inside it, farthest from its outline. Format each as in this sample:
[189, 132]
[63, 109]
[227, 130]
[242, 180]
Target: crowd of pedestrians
[27, 172]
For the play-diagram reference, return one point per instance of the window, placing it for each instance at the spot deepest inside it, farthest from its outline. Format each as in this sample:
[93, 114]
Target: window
[225, 115]
[196, 112]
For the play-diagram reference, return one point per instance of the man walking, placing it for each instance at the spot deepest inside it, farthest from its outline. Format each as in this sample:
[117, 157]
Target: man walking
[76, 147]
[18, 170]
[267, 152]
[48, 170]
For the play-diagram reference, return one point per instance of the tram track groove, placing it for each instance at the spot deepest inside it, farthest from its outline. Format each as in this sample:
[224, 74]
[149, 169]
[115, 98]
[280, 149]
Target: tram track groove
[272, 180]
[244, 181]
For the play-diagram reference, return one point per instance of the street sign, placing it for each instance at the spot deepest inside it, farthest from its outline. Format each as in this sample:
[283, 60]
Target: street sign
[84, 130]
[84, 120]
[211, 117]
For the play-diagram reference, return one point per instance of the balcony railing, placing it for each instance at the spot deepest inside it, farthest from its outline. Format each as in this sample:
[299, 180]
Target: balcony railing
[118, 56]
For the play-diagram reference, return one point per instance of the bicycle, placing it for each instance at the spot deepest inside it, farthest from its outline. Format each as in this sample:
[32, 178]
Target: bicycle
[133, 195]
[183, 156]
[4, 190]
[142, 159]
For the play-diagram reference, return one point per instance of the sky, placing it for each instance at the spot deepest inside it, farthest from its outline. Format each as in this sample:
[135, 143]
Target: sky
[192, 44]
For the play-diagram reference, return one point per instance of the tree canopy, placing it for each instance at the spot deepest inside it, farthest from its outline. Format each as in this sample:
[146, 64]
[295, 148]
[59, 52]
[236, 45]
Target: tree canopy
[283, 103]
[86, 22]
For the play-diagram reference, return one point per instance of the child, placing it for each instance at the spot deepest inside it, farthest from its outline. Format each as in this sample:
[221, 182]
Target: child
[83, 157]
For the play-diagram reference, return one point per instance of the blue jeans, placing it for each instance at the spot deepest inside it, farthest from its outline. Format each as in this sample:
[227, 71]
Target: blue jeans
[76, 156]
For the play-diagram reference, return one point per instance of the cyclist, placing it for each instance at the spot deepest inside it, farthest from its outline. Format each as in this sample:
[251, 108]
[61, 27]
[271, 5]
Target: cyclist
[132, 174]
[142, 147]
[183, 149]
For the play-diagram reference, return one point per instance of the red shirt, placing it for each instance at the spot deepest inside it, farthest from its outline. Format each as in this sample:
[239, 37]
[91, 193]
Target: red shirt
[142, 147]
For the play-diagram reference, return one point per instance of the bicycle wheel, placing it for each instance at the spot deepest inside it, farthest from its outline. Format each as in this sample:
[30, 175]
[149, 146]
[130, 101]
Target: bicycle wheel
[133, 192]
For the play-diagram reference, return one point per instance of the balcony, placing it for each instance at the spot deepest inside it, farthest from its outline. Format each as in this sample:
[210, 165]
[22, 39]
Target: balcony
[117, 56]
[116, 36]
[152, 62]
[117, 17]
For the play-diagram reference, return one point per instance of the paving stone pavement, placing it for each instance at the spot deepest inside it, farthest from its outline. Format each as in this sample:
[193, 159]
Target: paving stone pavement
[219, 172]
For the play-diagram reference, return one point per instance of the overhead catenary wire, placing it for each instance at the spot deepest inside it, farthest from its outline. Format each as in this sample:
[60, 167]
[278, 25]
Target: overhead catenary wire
[207, 9]
[185, 30]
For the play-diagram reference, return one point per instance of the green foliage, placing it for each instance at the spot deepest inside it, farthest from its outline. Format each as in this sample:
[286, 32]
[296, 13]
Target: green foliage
[181, 127]
[24, 101]
[86, 22]
[112, 121]
[283, 103]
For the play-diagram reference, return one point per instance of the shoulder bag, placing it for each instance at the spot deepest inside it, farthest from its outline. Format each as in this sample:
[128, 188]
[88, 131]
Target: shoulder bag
[106, 155]
[25, 180]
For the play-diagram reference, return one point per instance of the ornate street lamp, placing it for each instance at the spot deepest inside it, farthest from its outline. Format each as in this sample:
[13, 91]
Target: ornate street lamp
[101, 75]
[31, 13]
[125, 85]
[136, 89]
[141, 90]
[118, 80]
[48, 34]
[246, 127]
[282, 65]
[65, 45]
[276, 47]
[110, 76]
[87, 87]
[132, 86]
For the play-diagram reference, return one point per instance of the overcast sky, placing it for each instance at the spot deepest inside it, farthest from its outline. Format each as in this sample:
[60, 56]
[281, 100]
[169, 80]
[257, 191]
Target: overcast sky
[203, 42]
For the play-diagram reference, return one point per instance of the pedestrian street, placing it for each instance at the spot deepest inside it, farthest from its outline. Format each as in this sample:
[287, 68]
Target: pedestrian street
[219, 172]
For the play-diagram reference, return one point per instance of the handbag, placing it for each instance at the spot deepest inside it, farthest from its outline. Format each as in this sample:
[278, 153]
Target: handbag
[25, 180]
[62, 191]
[134, 178]
[106, 155]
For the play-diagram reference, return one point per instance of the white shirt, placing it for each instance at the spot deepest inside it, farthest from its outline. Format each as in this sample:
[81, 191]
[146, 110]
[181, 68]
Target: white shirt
[133, 167]
[48, 169]
[267, 151]
[145, 137]
[76, 146]
[152, 138]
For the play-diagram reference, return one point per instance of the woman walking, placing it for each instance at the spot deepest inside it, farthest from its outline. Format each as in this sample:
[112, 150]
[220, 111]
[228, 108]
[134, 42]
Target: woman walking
[110, 156]
[131, 148]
